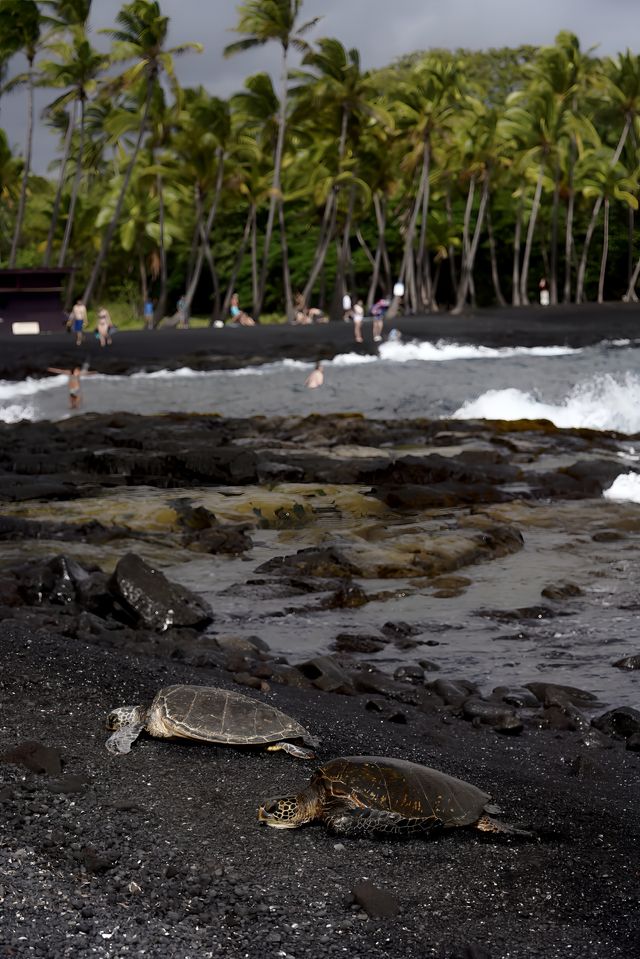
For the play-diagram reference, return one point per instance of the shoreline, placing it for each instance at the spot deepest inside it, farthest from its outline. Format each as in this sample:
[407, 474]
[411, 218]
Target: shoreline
[234, 347]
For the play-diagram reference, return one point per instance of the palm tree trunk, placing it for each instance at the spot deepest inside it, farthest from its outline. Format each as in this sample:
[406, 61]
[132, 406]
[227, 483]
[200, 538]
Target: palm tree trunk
[375, 275]
[75, 187]
[553, 267]
[286, 276]
[238, 262]
[568, 247]
[495, 275]
[467, 282]
[55, 212]
[605, 251]
[108, 236]
[422, 262]
[405, 273]
[451, 253]
[22, 203]
[463, 285]
[582, 266]
[162, 298]
[276, 191]
[204, 236]
[524, 296]
[515, 274]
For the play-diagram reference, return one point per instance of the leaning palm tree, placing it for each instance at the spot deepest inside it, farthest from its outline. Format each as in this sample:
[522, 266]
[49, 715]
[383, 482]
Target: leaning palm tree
[20, 22]
[262, 21]
[141, 37]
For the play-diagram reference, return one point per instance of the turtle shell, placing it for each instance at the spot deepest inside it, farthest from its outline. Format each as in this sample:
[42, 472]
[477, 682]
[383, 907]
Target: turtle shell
[394, 785]
[220, 716]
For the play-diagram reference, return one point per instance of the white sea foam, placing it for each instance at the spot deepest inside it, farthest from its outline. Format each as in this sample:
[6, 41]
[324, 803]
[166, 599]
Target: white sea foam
[624, 489]
[12, 389]
[14, 412]
[441, 351]
[603, 403]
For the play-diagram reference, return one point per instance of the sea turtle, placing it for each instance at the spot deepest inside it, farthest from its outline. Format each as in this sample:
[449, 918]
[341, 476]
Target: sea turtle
[363, 795]
[210, 714]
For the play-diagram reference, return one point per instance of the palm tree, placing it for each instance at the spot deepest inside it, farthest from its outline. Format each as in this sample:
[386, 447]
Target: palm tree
[141, 36]
[20, 23]
[338, 97]
[262, 21]
[76, 68]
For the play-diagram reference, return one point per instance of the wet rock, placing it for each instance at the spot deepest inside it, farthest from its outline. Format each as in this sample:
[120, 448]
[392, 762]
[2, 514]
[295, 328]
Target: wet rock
[376, 902]
[524, 613]
[400, 630]
[548, 693]
[326, 674]
[607, 536]
[429, 666]
[516, 696]
[563, 715]
[628, 662]
[253, 682]
[153, 600]
[633, 743]
[350, 596]
[249, 645]
[290, 676]
[561, 591]
[453, 692]
[371, 680]
[409, 674]
[623, 721]
[488, 713]
[328, 563]
[34, 756]
[358, 643]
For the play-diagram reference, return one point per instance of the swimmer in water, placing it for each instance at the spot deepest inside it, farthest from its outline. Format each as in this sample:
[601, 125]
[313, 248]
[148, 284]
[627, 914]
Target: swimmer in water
[315, 377]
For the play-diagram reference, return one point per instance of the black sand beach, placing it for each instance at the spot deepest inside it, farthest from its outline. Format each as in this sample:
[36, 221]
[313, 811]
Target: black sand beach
[231, 347]
[159, 853]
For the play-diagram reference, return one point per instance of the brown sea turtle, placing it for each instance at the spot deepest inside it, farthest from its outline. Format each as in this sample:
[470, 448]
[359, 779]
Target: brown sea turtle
[212, 715]
[362, 795]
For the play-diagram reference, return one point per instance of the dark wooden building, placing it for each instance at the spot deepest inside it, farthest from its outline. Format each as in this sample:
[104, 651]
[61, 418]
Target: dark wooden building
[31, 301]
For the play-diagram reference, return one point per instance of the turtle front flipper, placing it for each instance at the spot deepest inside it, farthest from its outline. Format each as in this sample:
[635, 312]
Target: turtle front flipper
[350, 821]
[123, 738]
[300, 752]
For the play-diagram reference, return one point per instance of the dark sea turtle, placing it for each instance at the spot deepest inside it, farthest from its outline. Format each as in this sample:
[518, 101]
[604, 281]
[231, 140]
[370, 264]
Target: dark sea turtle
[363, 795]
[212, 715]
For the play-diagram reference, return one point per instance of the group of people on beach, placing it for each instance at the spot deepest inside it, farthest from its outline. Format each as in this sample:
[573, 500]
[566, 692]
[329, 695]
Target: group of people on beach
[78, 321]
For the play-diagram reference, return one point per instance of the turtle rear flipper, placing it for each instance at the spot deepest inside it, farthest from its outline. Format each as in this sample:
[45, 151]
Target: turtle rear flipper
[488, 824]
[123, 739]
[300, 752]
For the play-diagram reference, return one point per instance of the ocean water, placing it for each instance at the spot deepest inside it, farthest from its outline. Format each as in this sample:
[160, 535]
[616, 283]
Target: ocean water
[596, 387]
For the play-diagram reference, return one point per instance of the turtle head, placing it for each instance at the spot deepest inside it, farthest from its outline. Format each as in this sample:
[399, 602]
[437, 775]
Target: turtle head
[287, 812]
[127, 723]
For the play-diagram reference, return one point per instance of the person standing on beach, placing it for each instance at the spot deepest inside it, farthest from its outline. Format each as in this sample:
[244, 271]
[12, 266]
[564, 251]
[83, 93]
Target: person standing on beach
[315, 377]
[103, 326]
[358, 317]
[183, 313]
[78, 317]
[75, 393]
[147, 310]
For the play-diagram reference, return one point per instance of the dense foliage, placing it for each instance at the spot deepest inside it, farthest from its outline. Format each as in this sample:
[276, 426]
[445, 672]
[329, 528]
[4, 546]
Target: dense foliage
[467, 175]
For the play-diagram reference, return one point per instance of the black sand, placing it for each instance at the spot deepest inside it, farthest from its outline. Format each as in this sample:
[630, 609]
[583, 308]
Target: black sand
[159, 853]
[231, 347]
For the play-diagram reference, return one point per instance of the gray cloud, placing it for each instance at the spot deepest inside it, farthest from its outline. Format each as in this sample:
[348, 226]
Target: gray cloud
[380, 29]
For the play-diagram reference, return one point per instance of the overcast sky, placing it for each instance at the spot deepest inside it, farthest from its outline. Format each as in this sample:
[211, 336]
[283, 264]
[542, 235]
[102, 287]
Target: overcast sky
[381, 30]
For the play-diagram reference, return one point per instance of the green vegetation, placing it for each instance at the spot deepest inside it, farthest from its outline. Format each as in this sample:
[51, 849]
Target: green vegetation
[467, 175]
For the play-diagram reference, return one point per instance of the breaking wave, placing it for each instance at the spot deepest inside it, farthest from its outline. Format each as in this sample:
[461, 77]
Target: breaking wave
[624, 489]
